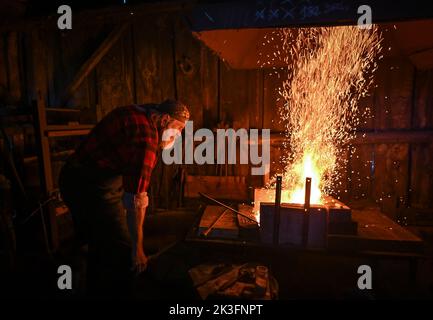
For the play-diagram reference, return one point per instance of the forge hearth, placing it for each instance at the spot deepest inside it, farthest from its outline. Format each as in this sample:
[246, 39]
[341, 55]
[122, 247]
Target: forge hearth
[306, 226]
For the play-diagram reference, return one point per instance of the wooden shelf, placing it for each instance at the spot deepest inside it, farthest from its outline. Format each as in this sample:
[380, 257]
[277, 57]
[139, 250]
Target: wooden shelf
[53, 131]
[62, 110]
[69, 127]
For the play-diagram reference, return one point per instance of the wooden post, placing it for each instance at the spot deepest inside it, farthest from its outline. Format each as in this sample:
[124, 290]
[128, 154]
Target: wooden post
[45, 170]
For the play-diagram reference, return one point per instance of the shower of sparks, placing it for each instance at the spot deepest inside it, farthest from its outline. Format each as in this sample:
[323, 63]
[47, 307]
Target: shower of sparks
[329, 70]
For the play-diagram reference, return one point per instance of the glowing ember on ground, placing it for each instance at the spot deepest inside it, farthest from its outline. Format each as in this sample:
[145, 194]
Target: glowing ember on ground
[329, 70]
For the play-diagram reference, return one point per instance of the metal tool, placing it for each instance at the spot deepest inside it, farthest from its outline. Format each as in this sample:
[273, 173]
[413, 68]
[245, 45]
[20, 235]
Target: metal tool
[227, 207]
[306, 224]
[277, 210]
[307, 193]
[164, 250]
[209, 229]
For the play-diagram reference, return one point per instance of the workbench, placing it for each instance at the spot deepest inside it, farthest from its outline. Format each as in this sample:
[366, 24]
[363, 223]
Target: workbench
[378, 239]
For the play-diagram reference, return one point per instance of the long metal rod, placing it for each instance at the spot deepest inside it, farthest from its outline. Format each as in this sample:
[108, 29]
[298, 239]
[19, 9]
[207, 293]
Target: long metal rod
[306, 225]
[227, 207]
[44, 229]
[307, 193]
[209, 229]
[276, 235]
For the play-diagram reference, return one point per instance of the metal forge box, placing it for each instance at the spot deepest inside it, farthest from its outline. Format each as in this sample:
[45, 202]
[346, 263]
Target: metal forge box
[305, 227]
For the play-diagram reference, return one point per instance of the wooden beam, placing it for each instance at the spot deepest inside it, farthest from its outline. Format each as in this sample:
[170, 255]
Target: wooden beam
[69, 127]
[67, 133]
[43, 145]
[12, 67]
[392, 136]
[412, 136]
[423, 60]
[94, 59]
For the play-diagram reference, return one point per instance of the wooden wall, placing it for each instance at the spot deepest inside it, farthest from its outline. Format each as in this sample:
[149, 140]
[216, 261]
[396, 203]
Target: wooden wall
[158, 58]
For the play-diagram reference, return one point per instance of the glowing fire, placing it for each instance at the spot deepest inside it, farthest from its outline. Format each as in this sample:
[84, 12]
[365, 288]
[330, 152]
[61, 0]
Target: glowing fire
[328, 70]
[306, 169]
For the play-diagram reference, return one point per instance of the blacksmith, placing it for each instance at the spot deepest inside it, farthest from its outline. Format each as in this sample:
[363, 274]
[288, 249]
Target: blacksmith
[110, 172]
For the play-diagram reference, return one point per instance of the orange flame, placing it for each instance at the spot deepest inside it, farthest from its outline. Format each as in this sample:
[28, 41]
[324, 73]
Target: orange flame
[307, 169]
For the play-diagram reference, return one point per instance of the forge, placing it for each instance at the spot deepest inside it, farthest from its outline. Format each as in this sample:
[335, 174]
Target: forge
[302, 225]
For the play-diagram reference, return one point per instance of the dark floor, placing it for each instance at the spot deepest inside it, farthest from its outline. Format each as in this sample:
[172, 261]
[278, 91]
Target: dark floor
[301, 276]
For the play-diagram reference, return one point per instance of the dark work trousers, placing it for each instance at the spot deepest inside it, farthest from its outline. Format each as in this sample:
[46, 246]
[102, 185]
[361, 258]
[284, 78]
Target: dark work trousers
[94, 198]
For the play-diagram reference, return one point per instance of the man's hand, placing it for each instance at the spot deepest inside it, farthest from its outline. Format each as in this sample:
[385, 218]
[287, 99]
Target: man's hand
[139, 261]
[136, 209]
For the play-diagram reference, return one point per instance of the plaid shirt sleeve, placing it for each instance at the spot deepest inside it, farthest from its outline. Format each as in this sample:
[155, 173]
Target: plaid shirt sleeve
[139, 154]
[125, 142]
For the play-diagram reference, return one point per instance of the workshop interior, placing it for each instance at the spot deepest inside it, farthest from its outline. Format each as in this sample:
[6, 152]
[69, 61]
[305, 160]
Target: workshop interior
[339, 92]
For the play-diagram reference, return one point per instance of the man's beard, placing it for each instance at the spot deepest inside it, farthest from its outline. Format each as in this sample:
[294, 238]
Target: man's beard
[165, 144]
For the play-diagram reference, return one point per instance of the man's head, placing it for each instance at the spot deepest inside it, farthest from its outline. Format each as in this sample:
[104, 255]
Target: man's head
[170, 117]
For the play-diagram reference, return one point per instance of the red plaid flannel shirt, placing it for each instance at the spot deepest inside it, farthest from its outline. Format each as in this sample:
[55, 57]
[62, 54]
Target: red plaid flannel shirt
[126, 142]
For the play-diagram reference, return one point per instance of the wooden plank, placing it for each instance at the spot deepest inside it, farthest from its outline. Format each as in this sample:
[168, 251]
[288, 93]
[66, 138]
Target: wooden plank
[71, 50]
[393, 136]
[45, 168]
[3, 65]
[386, 137]
[421, 176]
[114, 76]
[393, 96]
[341, 189]
[44, 146]
[423, 60]
[51, 40]
[423, 113]
[278, 152]
[240, 105]
[391, 172]
[63, 110]
[374, 225]
[39, 87]
[68, 127]
[377, 232]
[37, 71]
[229, 187]
[196, 77]
[57, 134]
[153, 63]
[366, 109]
[272, 100]
[361, 172]
[238, 96]
[13, 66]
[127, 43]
[93, 61]
[209, 86]
[256, 112]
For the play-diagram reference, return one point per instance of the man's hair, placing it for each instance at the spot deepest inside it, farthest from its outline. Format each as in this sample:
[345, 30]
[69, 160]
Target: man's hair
[175, 109]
